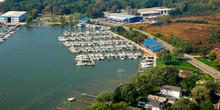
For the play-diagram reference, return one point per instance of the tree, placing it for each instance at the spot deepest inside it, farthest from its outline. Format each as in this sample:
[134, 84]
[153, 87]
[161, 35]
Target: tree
[189, 82]
[207, 106]
[177, 53]
[141, 27]
[213, 86]
[164, 56]
[114, 8]
[130, 29]
[62, 19]
[99, 106]
[200, 94]
[216, 63]
[70, 19]
[104, 96]
[126, 92]
[184, 104]
[28, 19]
[212, 56]
[120, 106]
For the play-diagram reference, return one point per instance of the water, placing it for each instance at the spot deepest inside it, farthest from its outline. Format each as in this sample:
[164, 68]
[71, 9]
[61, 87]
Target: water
[38, 73]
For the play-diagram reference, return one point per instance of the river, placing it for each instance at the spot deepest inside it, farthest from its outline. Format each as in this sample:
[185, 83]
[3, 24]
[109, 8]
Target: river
[38, 73]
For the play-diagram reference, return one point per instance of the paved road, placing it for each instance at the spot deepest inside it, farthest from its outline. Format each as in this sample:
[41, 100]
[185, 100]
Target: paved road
[187, 57]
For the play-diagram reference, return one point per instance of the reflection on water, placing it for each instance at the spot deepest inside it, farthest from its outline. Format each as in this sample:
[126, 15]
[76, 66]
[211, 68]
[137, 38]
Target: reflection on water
[38, 73]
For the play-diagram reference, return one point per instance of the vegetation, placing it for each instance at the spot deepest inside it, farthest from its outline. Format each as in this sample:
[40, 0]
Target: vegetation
[215, 37]
[148, 82]
[189, 82]
[208, 62]
[164, 56]
[105, 106]
[133, 35]
[192, 21]
[104, 97]
[184, 104]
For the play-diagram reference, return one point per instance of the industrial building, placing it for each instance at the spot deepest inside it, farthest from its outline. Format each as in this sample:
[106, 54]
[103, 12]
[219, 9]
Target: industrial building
[124, 18]
[153, 12]
[13, 17]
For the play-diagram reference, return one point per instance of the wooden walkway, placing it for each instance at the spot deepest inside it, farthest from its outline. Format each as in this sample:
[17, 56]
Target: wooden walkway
[89, 96]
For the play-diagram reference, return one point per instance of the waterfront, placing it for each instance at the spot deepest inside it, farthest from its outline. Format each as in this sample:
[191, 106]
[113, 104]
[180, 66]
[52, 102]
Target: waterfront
[39, 73]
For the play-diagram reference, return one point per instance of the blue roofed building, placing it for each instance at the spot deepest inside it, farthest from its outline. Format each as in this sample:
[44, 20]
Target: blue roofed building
[156, 48]
[124, 17]
[13, 17]
[150, 43]
[84, 19]
[153, 45]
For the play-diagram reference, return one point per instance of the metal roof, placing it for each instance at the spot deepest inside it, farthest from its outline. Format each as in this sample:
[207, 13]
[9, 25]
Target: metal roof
[84, 19]
[172, 88]
[149, 12]
[14, 13]
[158, 47]
[121, 16]
[150, 42]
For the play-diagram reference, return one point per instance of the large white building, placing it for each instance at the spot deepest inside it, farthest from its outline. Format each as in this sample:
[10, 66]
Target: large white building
[173, 91]
[13, 17]
[153, 12]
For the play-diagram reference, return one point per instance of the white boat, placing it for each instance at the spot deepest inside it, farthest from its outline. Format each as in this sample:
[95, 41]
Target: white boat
[81, 25]
[1, 40]
[71, 99]
[61, 39]
[80, 63]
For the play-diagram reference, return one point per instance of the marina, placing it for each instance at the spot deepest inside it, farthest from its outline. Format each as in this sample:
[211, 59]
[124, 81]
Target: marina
[7, 32]
[99, 44]
[38, 72]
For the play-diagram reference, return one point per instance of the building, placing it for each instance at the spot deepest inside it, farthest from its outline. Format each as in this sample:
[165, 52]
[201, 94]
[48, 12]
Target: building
[150, 43]
[151, 104]
[124, 17]
[84, 19]
[153, 45]
[184, 74]
[13, 17]
[173, 91]
[153, 12]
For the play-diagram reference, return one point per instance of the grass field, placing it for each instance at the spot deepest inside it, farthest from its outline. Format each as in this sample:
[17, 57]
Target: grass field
[192, 32]
[207, 62]
[181, 64]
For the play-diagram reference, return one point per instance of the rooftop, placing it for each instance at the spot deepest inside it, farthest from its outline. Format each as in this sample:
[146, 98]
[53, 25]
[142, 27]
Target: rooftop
[120, 15]
[173, 88]
[155, 48]
[150, 42]
[14, 13]
[152, 9]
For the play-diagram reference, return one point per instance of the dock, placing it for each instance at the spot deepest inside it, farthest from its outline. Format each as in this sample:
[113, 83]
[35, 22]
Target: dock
[91, 59]
[89, 96]
[10, 30]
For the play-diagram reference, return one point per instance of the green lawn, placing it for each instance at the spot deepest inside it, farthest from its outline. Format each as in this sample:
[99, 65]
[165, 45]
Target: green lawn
[181, 64]
[207, 62]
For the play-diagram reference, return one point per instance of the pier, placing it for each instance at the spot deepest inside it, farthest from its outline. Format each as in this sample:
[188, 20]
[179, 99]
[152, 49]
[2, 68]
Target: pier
[84, 102]
[91, 59]
[87, 95]
[9, 30]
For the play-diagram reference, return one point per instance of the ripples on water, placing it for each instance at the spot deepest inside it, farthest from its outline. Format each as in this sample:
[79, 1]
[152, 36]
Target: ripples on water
[39, 73]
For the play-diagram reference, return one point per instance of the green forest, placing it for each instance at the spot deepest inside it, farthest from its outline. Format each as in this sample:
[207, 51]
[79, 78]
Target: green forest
[94, 8]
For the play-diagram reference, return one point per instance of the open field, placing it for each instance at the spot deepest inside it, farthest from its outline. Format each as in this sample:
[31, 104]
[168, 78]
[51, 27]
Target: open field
[186, 31]
[181, 64]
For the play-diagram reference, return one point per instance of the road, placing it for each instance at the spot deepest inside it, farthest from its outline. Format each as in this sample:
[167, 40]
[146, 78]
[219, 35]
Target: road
[187, 57]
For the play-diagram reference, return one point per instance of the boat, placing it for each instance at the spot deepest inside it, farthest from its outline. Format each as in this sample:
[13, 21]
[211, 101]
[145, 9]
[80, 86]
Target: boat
[61, 39]
[71, 99]
[80, 63]
[121, 70]
[81, 25]
[122, 57]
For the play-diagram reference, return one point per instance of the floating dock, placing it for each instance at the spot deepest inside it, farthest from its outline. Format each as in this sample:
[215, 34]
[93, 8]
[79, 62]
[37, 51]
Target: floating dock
[10, 30]
[87, 95]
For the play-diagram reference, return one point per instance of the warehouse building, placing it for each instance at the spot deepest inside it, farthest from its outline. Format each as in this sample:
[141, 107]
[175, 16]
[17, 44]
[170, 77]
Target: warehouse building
[124, 18]
[153, 12]
[13, 17]
[153, 45]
